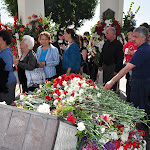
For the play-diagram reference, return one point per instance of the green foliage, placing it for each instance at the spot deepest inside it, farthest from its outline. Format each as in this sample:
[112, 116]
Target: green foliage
[12, 6]
[70, 12]
[64, 12]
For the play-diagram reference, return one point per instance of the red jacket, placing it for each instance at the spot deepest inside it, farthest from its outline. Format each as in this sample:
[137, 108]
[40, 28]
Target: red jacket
[129, 47]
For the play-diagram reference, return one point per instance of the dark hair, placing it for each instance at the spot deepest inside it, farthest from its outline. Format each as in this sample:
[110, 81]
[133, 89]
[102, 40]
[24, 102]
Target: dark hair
[58, 32]
[86, 33]
[145, 25]
[6, 36]
[130, 29]
[74, 36]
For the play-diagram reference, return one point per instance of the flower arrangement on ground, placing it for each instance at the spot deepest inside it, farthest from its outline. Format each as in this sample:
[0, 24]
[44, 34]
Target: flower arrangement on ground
[98, 38]
[103, 120]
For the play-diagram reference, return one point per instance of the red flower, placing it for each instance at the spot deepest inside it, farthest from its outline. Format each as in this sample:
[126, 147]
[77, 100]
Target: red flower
[65, 92]
[14, 52]
[118, 144]
[141, 132]
[71, 119]
[14, 41]
[72, 94]
[48, 97]
[15, 25]
[126, 146]
[79, 84]
[34, 16]
[58, 98]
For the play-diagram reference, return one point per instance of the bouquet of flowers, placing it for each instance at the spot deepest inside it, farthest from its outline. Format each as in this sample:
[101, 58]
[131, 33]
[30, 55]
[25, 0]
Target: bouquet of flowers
[103, 120]
[129, 19]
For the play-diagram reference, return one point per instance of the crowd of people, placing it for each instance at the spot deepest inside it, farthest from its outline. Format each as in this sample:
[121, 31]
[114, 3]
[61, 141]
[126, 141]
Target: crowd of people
[69, 54]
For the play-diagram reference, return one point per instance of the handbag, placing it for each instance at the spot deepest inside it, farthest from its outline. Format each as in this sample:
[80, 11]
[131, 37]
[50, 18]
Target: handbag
[35, 77]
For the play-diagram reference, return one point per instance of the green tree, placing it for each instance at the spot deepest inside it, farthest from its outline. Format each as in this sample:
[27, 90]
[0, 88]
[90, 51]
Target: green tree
[12, 6]
[70, 12]
[64, 12]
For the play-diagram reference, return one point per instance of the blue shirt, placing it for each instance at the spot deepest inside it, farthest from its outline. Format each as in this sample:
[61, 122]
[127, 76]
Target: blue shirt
[72, 57]
[43, 55]
[51, 59]
[141, 59]
[7, 56]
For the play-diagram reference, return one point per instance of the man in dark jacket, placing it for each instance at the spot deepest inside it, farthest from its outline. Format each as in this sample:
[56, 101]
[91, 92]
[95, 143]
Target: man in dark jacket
[111, 58]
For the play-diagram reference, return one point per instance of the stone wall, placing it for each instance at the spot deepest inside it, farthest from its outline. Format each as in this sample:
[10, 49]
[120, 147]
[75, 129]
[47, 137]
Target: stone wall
[28, 130]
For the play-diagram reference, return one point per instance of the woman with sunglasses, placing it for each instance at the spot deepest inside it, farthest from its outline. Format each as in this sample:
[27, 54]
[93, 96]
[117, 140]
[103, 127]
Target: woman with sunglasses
[59, 43]
[71, 60]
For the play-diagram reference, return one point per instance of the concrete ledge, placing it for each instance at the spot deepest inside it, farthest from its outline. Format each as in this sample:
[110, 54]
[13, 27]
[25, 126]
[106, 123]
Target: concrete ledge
[22, 129]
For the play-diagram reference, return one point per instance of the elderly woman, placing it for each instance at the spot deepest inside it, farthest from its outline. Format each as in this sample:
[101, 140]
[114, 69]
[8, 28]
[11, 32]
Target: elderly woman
[27, 61]
[47, 55]
[71, 60]
[7, 57]
[140, 62]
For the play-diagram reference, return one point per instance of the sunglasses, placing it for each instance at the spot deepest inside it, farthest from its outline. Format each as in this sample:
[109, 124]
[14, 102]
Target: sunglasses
[60, 35]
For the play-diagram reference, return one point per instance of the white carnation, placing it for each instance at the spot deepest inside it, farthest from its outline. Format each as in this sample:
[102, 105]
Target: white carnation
[113, 135]
[81, 126]
[45, 108]
[124, 136]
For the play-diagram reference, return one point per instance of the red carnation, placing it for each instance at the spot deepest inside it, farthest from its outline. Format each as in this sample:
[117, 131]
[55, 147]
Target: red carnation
[141, 132]
[48, 97]
[71, 119]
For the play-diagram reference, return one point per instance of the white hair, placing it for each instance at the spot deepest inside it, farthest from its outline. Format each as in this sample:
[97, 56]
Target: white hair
[29, 41]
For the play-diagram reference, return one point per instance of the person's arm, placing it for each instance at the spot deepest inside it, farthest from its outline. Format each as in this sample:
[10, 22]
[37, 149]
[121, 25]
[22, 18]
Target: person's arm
[53, 58]
[84, 54]
[124, 71]
[68, 70]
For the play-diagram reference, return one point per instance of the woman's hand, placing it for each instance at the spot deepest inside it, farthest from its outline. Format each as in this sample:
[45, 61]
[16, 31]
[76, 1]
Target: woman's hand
[41, 64]
[108, 85]
[63, 47]
[15, 61]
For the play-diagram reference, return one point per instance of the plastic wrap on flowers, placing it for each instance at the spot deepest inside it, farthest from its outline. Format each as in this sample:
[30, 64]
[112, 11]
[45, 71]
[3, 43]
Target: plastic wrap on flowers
[102, 118]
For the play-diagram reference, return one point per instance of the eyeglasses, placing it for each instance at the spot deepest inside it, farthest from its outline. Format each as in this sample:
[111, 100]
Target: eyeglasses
[60, 35]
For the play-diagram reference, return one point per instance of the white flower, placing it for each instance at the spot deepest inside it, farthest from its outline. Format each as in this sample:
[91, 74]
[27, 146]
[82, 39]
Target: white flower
[45, 108]
[105, 139]
[81, 91]
[3, 103]
[114, 135]
[124, 136]
[108, 22]
[98, 94]
[70, 100]
[81, 126]
[121, 148]
[126, 128]
[55, 102]
[64, 83]
[22, 97]
[40, 86]
[76, 88]
[62, 96]
[102, 130]
[55, 95]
